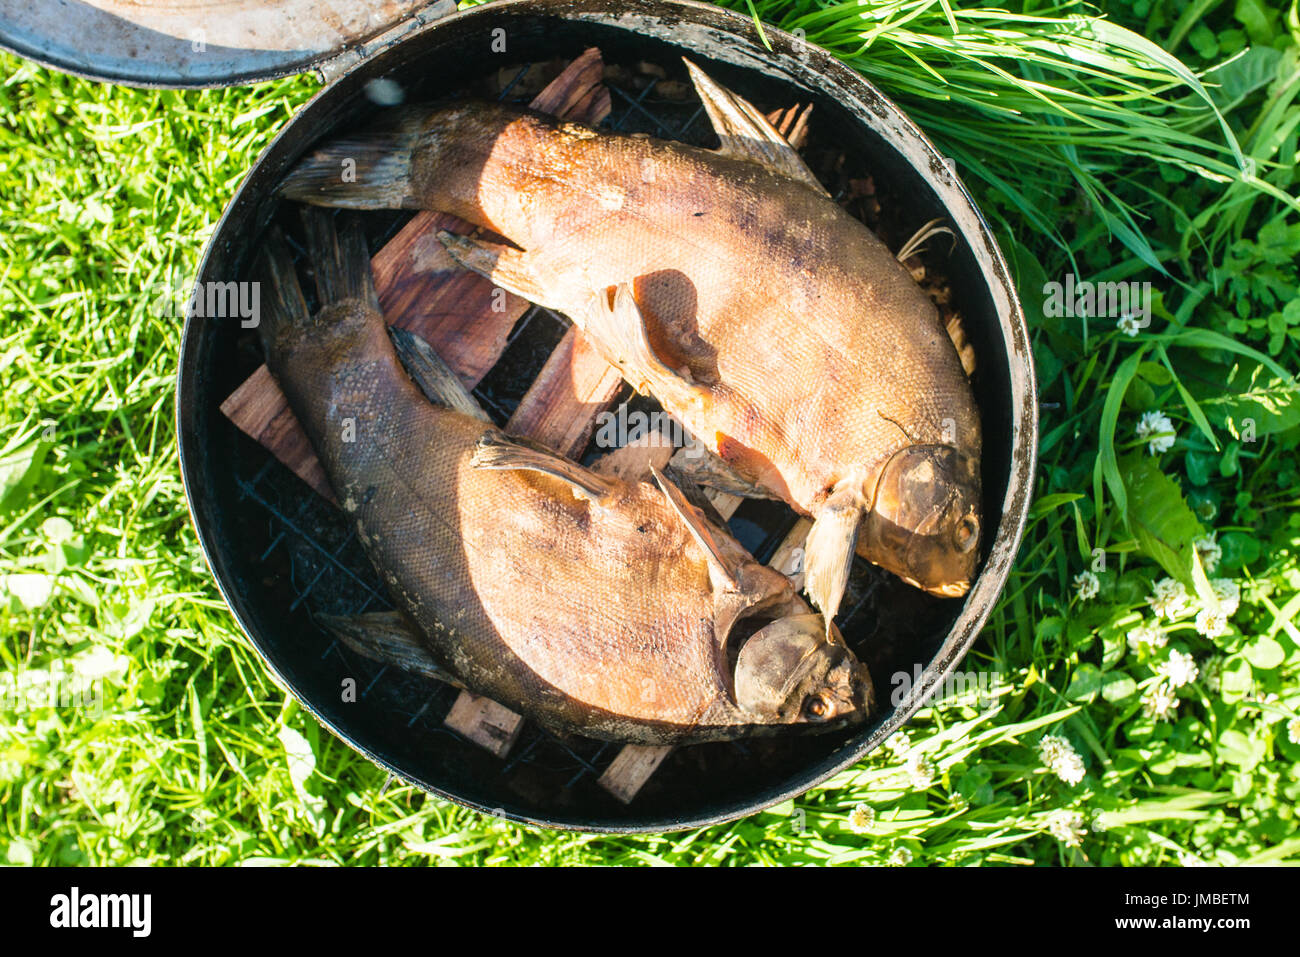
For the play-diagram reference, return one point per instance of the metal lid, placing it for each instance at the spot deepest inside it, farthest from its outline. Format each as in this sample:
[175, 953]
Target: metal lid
[203, 43]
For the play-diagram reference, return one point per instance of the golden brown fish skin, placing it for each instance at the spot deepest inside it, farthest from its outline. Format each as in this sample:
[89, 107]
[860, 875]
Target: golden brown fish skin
[593, 618]
[739, 272]
[810, 356]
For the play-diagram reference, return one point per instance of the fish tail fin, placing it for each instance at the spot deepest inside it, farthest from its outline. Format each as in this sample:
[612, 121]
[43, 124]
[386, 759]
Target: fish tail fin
[340, 258]
[829, 550]
[385, 636]
[371, 170]
[282, 306]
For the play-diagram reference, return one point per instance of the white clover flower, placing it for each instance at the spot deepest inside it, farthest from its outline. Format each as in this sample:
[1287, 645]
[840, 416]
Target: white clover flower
[1098, 821]
[898, 744]
[1211, 623]
[1157, 430]
[861, 818]
[1068, 827]
[1210, 551]
[1229, 594]
[1086, 585]
[920, 770]
[1059, 756]
[901, 857]
[1148, 635]
[1170, 599]
[1160, 703]
[1179, 670]
[1293, 730]
[1129, 325]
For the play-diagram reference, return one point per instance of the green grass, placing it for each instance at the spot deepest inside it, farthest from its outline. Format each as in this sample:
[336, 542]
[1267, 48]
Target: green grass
[1088, 148]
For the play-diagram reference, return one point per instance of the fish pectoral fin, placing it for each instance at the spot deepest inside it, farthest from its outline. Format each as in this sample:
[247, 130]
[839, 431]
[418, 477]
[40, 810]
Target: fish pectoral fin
[387, 637]
[511, 269]
[957, 333]
[723, 571]
[710, 470]
[746, 133]
[435, 378]
[497, 451]
[617, 323]
[828, 552]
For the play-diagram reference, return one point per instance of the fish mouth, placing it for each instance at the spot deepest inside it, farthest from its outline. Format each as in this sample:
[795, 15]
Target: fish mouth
[957, 589]
[950, 590]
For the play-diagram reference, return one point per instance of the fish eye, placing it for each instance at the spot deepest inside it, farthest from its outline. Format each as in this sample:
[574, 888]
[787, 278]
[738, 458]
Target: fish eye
[966, 534]
[819, 707]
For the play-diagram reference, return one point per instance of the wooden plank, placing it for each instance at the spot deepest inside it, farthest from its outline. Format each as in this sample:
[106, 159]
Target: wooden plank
[486, 723]
[260, 410]
[631, 769]
[574, 387]
[789, 557]
[460, 314]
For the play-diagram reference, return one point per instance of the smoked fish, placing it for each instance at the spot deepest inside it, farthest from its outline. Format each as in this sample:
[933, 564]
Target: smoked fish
[781, 332]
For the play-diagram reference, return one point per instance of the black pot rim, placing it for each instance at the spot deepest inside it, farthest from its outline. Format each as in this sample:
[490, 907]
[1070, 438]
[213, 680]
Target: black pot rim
[795, 55]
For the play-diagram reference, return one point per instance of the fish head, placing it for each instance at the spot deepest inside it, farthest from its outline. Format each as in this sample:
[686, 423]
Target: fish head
[790, 672]
[924, 523]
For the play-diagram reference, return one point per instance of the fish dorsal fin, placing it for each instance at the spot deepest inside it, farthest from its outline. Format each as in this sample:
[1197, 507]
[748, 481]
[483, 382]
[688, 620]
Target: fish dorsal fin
[434, 377]
[722, 570]
[746, 133]
[965, 351]
[710, 470]
[497, 451]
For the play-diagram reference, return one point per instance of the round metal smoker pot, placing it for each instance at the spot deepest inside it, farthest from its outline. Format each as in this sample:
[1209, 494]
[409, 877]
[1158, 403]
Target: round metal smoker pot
[241, 521]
